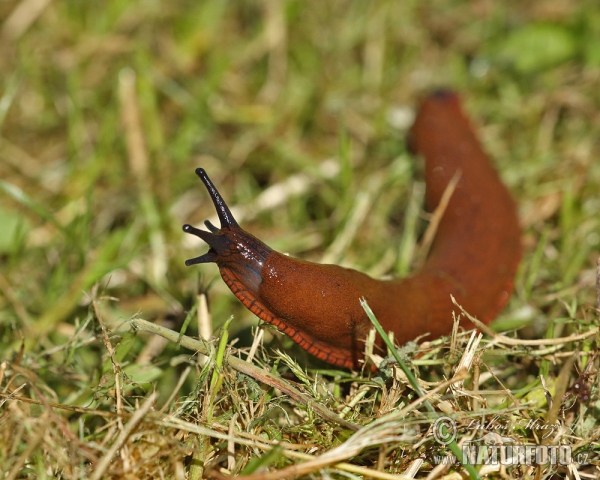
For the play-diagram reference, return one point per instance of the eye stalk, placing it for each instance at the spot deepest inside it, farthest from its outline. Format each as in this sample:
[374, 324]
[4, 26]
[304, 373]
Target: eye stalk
[217, 242]
[223, 212]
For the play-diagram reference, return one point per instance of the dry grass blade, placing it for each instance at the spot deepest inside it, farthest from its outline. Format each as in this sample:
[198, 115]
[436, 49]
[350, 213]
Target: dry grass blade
[294, 108]
[381, 431]
[598, 285]
[32, 445]
[248, 369]
[21, 18]
[435, 219]
[515, 341]
[129, 428]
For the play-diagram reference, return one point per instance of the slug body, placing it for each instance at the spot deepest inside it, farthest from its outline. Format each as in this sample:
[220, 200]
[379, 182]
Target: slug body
[473, 256]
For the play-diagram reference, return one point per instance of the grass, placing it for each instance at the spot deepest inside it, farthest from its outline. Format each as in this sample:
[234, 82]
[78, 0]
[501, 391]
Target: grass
[105, 111]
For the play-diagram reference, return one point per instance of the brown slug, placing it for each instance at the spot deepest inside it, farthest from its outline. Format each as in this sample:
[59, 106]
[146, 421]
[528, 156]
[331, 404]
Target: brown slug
[473, 256]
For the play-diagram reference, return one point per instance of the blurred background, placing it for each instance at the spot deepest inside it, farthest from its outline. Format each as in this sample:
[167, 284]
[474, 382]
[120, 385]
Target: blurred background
[298, 112]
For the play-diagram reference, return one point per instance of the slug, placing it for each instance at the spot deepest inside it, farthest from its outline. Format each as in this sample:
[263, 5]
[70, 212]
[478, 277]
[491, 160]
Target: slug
[473, 256]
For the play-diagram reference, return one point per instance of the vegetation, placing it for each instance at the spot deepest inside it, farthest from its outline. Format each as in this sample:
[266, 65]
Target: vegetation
[298, 111]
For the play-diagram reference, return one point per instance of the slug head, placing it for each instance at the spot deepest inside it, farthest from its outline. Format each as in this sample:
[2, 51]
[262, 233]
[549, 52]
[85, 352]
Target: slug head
[275, 293]
[239, 255]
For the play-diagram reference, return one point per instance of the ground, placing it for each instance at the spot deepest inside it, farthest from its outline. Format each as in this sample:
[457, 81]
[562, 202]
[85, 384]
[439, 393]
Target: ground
[298, 110]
